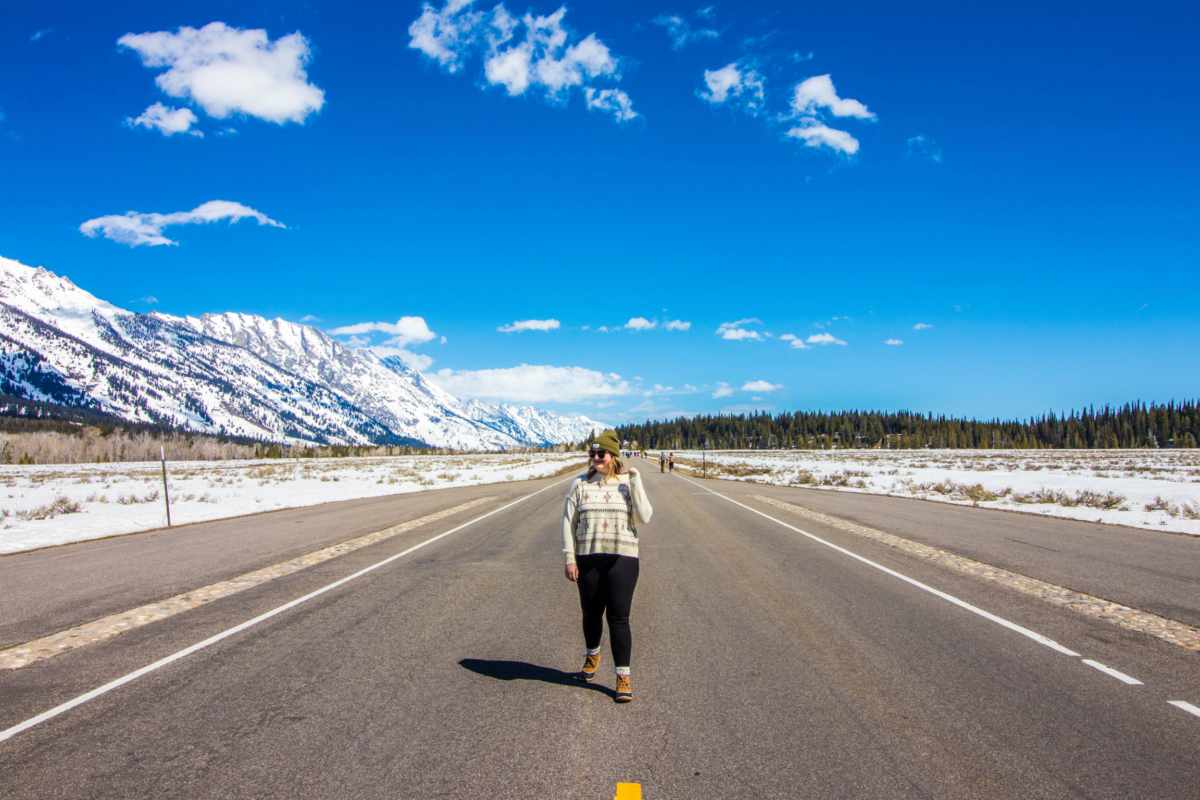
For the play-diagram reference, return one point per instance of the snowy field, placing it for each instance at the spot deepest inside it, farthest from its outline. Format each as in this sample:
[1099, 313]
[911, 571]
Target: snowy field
[1151, 489]
[56, 504]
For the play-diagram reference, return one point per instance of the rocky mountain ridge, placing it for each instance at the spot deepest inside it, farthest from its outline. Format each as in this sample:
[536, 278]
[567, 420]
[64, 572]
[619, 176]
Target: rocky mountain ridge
[237, 374]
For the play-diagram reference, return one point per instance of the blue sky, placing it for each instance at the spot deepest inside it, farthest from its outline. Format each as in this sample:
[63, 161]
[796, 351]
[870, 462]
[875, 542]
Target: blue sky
[1012, 192]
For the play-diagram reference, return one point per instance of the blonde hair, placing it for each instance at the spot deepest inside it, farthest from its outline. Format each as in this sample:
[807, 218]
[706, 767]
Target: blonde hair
[615, 467]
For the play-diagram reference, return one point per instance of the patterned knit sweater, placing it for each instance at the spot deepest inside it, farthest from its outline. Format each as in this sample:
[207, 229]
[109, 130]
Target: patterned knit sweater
[600, 513]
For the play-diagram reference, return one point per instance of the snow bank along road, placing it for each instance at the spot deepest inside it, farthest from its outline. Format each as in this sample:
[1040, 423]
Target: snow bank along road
[775, 656]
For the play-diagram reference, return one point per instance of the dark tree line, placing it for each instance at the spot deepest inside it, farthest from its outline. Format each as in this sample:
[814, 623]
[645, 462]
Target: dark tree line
[1130, 426]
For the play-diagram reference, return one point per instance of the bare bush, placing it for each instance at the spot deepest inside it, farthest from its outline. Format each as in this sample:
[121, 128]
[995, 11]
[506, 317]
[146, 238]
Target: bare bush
[1163, 505]
[60, 505]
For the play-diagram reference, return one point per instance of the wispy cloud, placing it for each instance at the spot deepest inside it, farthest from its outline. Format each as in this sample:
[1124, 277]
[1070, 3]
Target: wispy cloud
[676, 325]
[37, 36]
[530, 383]
[823, 338]
[761, 386]
[227, 71]
[530, 325]
[167, 121]
[401, 335]
[922, 326]
[816, 96]
[151, 299]
[723, 390]
[796, 342]
[736, 84]
[521, 54]
[310, 318]
[134, 228]
[404, 331]
[734, 331]
[924, 147]
[681, 32]
[893, 342]
[817, 93]
[640, 324]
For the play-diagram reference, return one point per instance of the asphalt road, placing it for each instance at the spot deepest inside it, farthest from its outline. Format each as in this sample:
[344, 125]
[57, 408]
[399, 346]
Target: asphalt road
[766, 664]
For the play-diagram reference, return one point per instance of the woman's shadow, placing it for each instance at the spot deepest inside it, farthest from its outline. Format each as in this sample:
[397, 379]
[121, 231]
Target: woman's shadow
[522, 671]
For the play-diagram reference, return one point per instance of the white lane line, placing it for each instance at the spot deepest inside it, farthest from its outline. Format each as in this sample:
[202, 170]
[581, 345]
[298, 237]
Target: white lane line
[108, 687]
[1037, 637]
[1188, 707]
[1121, 676]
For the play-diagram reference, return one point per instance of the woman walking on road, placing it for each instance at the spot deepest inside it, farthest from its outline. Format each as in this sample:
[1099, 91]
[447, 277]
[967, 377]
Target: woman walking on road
[600, 541]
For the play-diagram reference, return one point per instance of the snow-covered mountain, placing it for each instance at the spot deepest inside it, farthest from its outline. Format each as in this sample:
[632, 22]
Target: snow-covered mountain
[237, 374]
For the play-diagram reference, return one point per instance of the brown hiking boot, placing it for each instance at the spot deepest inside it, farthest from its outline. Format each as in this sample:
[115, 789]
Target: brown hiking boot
[588, 673]
[624, 691]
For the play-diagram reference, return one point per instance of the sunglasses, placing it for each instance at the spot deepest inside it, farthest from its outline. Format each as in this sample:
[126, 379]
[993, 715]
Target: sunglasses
[597, 453]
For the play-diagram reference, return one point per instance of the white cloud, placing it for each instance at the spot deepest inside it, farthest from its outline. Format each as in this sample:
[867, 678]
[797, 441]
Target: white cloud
[404, 331]
[310, 318]
[817, 93]
[521, 53]
[533, 384]
[740, 334]
[689, 387]
[135, 229]
[445, 35]
[640, 324]
[723, 390]
[168, 121]
[797, 342]
[401, 333]
[761, 386]
[824, 338]
[734, 331]
[893, 342]
[681, 31]
[817, 134]
[229, 71]
[811, 99]
[676, 325]
[614, 101]
[602, 329]
[734, 81]
[151, 299]
[922, 326]
[921, 146]
[38, 35]
[530, 325]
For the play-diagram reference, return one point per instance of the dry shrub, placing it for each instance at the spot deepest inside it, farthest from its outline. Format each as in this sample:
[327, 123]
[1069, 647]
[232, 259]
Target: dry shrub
[60, 505]
[1163, 505]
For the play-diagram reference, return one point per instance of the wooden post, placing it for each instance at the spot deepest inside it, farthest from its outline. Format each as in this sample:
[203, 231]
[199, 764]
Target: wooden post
[166, 496]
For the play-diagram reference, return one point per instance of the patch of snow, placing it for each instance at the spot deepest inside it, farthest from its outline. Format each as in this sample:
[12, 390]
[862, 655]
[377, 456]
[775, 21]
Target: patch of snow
[1149, 489]
[126, 498]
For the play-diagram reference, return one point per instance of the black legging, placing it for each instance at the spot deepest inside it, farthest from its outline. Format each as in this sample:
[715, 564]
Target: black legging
[606, 584]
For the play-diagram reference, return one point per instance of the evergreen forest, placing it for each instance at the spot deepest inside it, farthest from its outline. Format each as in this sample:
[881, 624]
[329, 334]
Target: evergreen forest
[1134, 425]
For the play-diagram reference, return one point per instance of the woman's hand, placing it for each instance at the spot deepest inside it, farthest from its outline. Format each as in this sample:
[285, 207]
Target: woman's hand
[632, 473]
[573, 573]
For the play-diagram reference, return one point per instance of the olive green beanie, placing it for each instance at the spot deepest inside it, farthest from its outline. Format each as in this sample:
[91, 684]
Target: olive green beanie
[607, 441]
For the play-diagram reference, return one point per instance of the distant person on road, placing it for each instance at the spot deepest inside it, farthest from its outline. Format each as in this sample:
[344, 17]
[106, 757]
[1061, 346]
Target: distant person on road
[600, 541]
[662, 462]
[671, 463]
